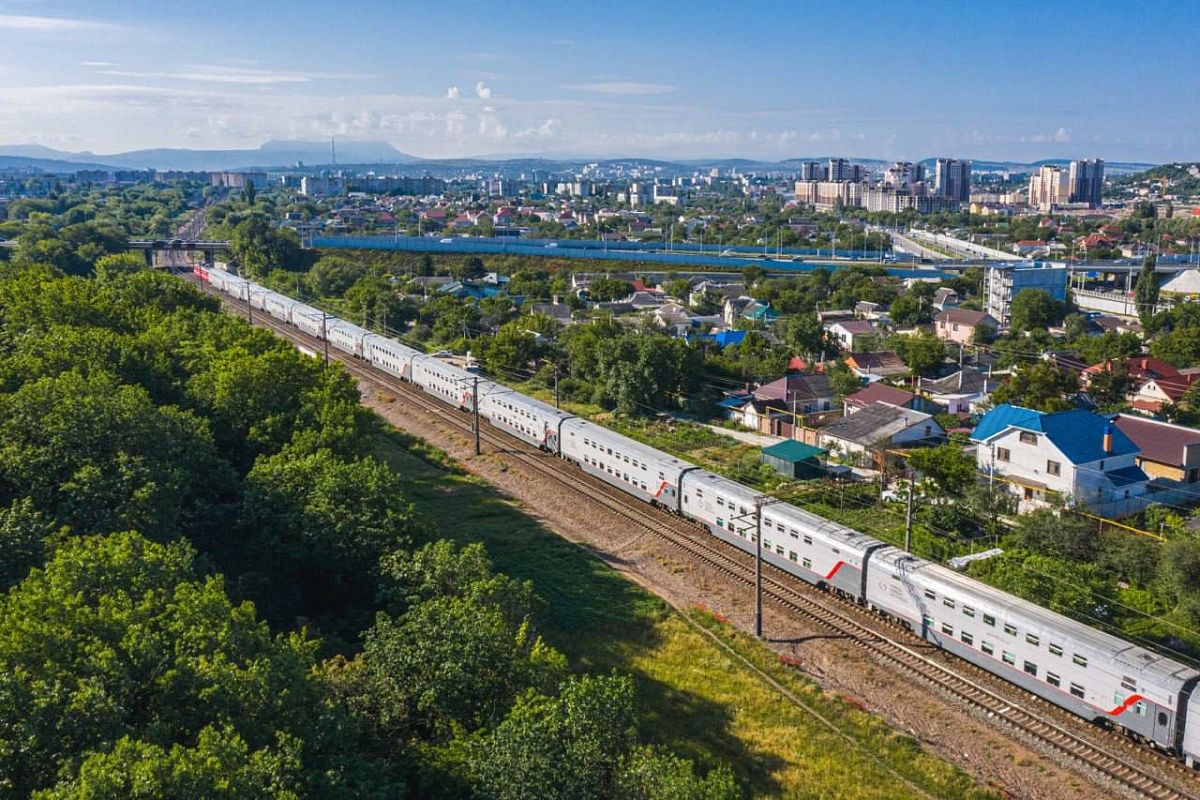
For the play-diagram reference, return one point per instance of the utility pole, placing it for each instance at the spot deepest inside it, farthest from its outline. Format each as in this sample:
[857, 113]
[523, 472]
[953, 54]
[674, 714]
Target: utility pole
[758, 621]
[475, 410]
[908, 516]
[556, 403]
[325, 336]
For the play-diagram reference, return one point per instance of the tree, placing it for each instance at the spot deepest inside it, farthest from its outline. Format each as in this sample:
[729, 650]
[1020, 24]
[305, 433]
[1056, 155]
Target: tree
[249, 194]
[803, 333]
[114, 264]
[1040, 386]
[843, 380]
[1050, 532]
[983, 333]
[1035, 308]
[568, 747]
[120, 638]
[472, 269]
[23, 530]
[649, 774]
[603, 288]
[1109, 387]
[1146, 291]
[260, 249]
[910, 309]
[921, 352]
[947, 465]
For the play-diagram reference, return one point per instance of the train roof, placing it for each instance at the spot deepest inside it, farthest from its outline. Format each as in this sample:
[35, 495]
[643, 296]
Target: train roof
[628, 446]
[376, 339]
[515, 397]
[335, 323]
[1128, 657]
[306, 310]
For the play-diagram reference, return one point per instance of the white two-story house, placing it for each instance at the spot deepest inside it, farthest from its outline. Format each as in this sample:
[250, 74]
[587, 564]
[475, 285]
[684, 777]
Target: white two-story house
[1079, 456]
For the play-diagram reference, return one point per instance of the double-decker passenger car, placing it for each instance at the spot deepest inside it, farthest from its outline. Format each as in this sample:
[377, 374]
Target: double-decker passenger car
[639, 469]
[524, 417]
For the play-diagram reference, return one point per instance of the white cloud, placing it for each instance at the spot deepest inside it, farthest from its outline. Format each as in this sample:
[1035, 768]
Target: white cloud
[452, 93]
[97, 63]
[483, 91]
[19, 22]
[622, 87]
[1062, 135]
[206, 73]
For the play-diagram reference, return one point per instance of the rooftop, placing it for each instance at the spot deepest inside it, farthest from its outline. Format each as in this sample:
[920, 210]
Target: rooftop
[1078, 433]
[793, 451]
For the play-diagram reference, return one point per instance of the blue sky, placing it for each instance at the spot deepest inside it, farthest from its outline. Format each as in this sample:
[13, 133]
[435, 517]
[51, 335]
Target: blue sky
[1016, 80]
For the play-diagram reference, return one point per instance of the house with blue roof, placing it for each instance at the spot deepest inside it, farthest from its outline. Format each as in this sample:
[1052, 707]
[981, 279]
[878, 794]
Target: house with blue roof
[1078, 456]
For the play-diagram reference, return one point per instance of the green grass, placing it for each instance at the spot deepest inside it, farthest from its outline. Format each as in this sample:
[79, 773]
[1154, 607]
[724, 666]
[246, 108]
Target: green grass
[697, 698]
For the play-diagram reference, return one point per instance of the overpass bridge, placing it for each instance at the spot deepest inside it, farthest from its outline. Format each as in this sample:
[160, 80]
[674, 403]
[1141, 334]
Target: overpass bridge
[208, 247]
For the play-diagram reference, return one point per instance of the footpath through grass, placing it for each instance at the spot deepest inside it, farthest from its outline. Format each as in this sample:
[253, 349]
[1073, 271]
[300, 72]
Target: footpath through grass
[697, 697]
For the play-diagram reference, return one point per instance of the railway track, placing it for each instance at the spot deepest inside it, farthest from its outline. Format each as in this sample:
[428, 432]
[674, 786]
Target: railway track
[824, 609]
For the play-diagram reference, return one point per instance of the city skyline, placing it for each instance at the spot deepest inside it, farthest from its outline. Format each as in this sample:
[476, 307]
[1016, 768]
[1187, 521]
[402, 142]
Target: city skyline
[672, 80]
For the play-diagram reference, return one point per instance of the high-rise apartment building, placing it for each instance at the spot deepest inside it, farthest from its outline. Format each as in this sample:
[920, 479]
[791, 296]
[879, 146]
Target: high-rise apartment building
[1086, 179]
[1049, 187]
[840, 169]
[813, 171]
[952, 179]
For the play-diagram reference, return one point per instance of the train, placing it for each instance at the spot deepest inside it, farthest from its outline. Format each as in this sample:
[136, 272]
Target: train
[1087, 672]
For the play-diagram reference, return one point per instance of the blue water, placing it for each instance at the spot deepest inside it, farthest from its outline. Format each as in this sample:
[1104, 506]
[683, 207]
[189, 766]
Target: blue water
[612, 251]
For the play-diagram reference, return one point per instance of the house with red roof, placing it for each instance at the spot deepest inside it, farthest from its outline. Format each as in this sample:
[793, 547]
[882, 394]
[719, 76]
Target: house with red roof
[1167, 451]
[879, 392]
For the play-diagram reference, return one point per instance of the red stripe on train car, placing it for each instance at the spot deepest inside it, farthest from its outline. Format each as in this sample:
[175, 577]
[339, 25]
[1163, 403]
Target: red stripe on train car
[836, 567]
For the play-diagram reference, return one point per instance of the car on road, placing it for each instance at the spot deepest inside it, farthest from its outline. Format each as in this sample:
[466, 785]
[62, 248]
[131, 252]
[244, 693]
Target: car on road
[446, 241]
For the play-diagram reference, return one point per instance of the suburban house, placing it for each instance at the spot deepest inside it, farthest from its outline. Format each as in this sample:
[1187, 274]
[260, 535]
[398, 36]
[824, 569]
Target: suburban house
[851, 334]
[958, 324]
[960, 393]
[1076, 455]
[874, 366]
[1154, 382]
[880, 425]
[559, 312]
[1166, 451]
[944, 298]
[803, 393]
[879, 392]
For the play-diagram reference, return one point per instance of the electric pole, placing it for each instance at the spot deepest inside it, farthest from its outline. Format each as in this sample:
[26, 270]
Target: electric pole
[475, 409]
[908, 516]
[556, 405]
[758, 620]
[325, 336]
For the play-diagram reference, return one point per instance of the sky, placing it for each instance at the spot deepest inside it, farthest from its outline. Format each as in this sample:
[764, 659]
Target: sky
[772, 80]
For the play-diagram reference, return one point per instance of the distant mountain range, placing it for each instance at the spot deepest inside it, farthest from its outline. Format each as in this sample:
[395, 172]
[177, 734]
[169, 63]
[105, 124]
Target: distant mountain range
[289, 154]
[270, 154]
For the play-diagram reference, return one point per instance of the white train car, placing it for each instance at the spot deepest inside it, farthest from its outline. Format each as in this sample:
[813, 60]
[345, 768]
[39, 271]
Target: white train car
[390, 356]
[1086, 671]
[524, 417]
[310, 320]
[279, 306]
[443, 380]
[346, 336]
[642, 471]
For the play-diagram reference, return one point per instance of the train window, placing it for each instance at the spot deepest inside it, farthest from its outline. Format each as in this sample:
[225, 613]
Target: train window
[966, 637]
[1128, 683]
[1032, 639]
[793, 534]
[1031, 668]
[1077, 690]
[1080, 660]
[947, 629]
[988, 619]
[1055, 649]
[743, 511]
[1139, 708]
[930, 594]
[947, 602]
[807, 563]
[792, 555]
[987, 648]
[1053, 679]
[720, 502]
[767, 545]
[720, 522]
[662, 477]
[699, 494]
[807, 539]
[778, 550]
[970, 612]
[927, 620]
[1162, 718]
[1008, 657]
[1010, 629]
[767, 524]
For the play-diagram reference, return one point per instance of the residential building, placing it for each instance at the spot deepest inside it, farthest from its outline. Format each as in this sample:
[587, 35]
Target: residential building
[878, 392]
[944, 298]
[813, 171]
[874, 366]
[960, 393]
[1086, 180]
[1004, 281]
[850, 335]
[1166, 451]
[801, 394]
[1077, 455]
[794, 459]
[1049, 187]
[952, 179]
[958, 324]
[880, 426]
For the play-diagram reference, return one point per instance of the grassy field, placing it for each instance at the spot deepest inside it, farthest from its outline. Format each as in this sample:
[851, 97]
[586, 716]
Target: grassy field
[705, 690]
